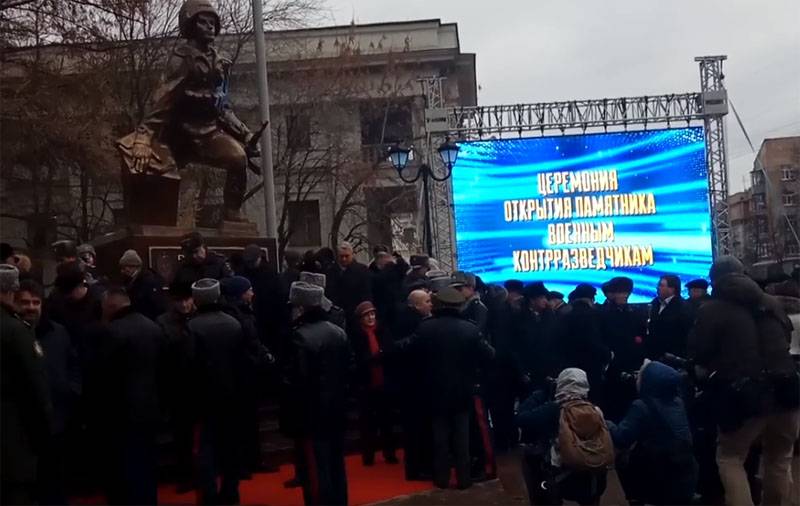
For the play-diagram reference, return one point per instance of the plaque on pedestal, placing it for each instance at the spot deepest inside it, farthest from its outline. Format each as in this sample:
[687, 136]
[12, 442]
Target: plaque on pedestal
[151, 199]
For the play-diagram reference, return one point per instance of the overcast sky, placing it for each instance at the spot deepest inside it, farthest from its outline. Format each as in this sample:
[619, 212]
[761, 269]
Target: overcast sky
[543, 50]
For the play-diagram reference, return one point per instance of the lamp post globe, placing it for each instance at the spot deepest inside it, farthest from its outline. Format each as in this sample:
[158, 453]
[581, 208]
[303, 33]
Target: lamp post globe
[399, 157]
[448, 152]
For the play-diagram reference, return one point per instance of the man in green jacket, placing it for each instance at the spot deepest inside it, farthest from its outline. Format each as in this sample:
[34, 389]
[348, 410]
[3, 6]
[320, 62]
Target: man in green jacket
[26, 409]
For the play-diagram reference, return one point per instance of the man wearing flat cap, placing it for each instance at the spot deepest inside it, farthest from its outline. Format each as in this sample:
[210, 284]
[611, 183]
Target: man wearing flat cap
[698, 295]
[416, 277]
[474, 310]
[317, 380]
[198, 262]
[623, 330]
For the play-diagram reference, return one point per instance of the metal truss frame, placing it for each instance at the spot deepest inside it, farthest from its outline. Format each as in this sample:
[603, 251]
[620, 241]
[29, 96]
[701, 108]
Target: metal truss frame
[477, 122]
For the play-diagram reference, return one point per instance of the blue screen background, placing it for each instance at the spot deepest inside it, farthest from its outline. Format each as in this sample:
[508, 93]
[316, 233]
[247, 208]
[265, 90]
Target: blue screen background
[669, 163]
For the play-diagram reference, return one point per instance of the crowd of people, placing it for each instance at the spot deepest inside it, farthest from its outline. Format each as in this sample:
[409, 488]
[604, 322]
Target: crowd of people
[691, 400]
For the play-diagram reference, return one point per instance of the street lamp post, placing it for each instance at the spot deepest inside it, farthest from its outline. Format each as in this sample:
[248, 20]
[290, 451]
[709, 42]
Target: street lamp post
[399, 157]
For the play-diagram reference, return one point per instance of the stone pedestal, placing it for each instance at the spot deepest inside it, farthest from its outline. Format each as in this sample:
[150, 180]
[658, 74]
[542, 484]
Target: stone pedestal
[151, 199]
[159, 248]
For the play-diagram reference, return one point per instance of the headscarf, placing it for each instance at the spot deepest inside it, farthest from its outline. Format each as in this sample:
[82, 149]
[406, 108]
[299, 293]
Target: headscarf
[572, 385]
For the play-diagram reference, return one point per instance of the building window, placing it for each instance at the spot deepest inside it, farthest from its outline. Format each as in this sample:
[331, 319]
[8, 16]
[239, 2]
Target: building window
[789, 199]
[383, 123]
[792, 248]
[758, 201]
[298, 131]
[304, 226]
[764, 250]
[757, 177]
[788, 174]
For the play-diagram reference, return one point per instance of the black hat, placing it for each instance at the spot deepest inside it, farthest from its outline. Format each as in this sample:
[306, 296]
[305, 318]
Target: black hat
[5, 251]
[555, 295]
[514, 285]
[535, 289]
[192, 241]
[180, 289]
[582, 291]
[64, 249]
[697, 283]
[69, 277]
[418, 261]
[251, 254]
[618, 285]
[449, 297]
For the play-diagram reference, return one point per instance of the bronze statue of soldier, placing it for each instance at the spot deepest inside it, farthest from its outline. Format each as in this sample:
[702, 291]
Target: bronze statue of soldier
[191, 120]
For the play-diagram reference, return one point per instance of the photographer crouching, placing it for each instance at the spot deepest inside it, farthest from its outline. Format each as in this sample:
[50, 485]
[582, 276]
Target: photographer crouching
[740, 342]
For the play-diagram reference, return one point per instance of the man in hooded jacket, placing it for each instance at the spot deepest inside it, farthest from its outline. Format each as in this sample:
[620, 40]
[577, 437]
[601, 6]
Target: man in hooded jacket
[742, 337]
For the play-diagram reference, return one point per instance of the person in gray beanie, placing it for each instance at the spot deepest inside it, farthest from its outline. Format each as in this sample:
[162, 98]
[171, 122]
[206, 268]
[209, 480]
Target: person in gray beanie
[220, 355]
[26, 410]
[144, 286]
[740, 333]
[317, 388]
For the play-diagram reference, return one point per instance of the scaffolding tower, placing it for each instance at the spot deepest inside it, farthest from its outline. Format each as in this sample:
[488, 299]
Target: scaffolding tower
[708, 106]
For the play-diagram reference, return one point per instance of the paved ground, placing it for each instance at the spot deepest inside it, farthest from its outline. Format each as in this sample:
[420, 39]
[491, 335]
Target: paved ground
[509, 489]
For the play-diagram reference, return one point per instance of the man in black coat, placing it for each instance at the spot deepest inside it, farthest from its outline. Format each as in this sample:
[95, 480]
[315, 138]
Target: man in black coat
[26, 410]
[198, 262]
[416, 277]
[580, 339]
[698, 295]
[317, 379]
[145, 288]
[267, 302]
[505, 375]
[623, 330]
[742, 336]
[387, 273]
[220, 359]
[63, 379]
[670, 320]
[534, 328]
[474, 310]
[177, 373]
[348, 282]
[452, 350]
[121, 388]
[238, 297]
[417, 437]
[73, 304]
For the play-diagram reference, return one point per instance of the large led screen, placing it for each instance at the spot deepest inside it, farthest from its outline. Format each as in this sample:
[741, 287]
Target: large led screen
[584, 208]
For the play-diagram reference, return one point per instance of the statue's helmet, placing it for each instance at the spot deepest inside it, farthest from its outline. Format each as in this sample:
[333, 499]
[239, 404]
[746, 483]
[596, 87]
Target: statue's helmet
[189, 10]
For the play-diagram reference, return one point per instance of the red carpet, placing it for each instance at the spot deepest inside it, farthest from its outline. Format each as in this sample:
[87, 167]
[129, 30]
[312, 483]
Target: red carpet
[365, 485]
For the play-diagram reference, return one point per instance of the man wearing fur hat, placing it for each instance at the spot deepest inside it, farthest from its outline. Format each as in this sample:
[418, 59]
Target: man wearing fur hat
[26, 411]
[317, 378]
[191, 120]
[220, 355]
[335, 313]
